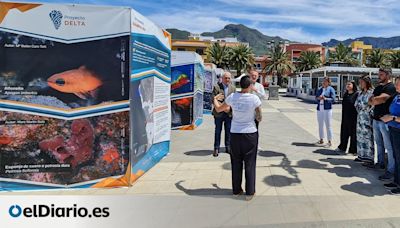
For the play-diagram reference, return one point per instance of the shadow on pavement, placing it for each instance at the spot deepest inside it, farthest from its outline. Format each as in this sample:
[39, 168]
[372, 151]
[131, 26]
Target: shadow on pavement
[216, 191]
[343, 167]
[269, 154]
[346, 168]
[227, 166]
[280, 180]
[328, 152]
[199, 153]
[302, 144]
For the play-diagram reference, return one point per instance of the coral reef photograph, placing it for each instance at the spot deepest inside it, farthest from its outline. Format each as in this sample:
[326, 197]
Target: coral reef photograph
[69, 151]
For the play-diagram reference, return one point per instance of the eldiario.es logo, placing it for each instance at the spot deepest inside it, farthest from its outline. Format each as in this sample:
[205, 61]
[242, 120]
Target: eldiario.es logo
[43, 211]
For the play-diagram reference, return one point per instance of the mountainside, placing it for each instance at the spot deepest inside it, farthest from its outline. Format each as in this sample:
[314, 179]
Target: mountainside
[376, 42]
[179, 34]
[257, 40]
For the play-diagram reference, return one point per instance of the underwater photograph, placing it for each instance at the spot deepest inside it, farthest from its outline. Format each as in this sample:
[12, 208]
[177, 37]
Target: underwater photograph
[182, 112]
[182, 79]
[61, 151]
[65, 76]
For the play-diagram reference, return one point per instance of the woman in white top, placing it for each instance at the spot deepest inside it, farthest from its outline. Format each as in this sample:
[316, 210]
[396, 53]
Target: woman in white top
[325, 96]
[244, 135]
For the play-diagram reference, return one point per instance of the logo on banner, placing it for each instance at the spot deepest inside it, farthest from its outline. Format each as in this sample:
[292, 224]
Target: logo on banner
[15, 211]
[56, 16]
[59, 19]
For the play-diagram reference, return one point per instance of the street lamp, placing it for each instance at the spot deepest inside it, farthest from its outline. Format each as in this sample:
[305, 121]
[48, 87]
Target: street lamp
[273, 89]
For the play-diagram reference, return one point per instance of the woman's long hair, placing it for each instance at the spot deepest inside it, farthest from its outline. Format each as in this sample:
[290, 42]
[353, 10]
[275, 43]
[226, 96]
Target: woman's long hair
[367, 79]
[355, 88]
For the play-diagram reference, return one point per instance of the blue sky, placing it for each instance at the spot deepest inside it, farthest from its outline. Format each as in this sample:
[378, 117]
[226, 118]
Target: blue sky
[313, 21]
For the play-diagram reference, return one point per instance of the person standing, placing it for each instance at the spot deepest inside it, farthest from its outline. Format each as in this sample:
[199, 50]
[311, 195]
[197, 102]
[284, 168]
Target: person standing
[257, 89]
[222, 119]
[244, 135]
[349, 119]
[364, 132]
[381, 100]
[393, 121]
[325, 96]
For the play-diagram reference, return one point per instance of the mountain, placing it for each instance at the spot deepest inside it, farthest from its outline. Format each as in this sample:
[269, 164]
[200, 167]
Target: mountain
[179, 34]
[376, 42]
[256, 40]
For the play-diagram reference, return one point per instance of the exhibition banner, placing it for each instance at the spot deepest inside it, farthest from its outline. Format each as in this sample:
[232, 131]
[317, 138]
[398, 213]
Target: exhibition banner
[150, 96]
[187, 88]
[65, 115]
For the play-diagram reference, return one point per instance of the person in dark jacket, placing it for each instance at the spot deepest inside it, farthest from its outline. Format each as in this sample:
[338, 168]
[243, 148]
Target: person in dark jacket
[349, 119]
[226, 88]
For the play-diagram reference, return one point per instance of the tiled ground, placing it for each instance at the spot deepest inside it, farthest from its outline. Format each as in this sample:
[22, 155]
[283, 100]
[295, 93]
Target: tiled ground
[298, 184]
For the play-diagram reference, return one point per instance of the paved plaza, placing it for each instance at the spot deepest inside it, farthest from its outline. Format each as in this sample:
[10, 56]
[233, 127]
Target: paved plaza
[298, 184]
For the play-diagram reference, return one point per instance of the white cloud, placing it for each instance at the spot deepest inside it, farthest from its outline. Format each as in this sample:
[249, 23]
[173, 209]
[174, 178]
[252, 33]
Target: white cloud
[294, 34]
[317, 12]
[191, 21]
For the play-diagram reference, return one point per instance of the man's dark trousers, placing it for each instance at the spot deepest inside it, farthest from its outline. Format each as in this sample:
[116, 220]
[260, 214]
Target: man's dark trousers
[395, 139]
[244, 150]
[220, 121]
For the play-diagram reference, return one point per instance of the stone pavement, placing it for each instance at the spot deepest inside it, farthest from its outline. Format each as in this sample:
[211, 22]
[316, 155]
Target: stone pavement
[298, 184]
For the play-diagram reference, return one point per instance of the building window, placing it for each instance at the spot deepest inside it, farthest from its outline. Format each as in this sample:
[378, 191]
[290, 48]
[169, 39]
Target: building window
[181, 49]
[200, 51]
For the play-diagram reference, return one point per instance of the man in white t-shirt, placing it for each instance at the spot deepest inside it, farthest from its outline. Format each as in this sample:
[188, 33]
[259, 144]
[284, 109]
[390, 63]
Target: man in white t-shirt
[244, 135]
[257, 89]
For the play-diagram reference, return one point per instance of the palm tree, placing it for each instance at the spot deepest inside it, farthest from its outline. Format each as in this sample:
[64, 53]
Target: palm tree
[309, 60]
[395, 59]
[377, 58]
[280, 63]
[343, 54]
[241, 58]
[219, 55]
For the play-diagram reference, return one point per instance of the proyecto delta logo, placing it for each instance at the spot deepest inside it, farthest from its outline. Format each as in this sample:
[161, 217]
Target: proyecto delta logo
[42, 211]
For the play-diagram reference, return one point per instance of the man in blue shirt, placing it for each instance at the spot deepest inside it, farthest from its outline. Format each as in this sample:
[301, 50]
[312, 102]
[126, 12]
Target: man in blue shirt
[393, 121]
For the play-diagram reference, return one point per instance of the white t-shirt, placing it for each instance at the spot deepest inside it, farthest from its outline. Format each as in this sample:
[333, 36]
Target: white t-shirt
[321, 102]
[243, 112]
[260, 91]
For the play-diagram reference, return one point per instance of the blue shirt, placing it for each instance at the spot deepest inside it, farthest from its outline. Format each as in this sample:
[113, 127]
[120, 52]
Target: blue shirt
[395, 111]
[226, 90]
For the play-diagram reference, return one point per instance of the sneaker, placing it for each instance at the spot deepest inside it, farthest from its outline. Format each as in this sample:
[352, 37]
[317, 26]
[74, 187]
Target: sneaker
[395, 191]
[386, 177]
[358, 160]
[249, 197]
[319, 143]
[390, 185]
[259, 148]
[369, 165]
[340, 150]
[238, 194]
[216, 152]
[328, 145]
